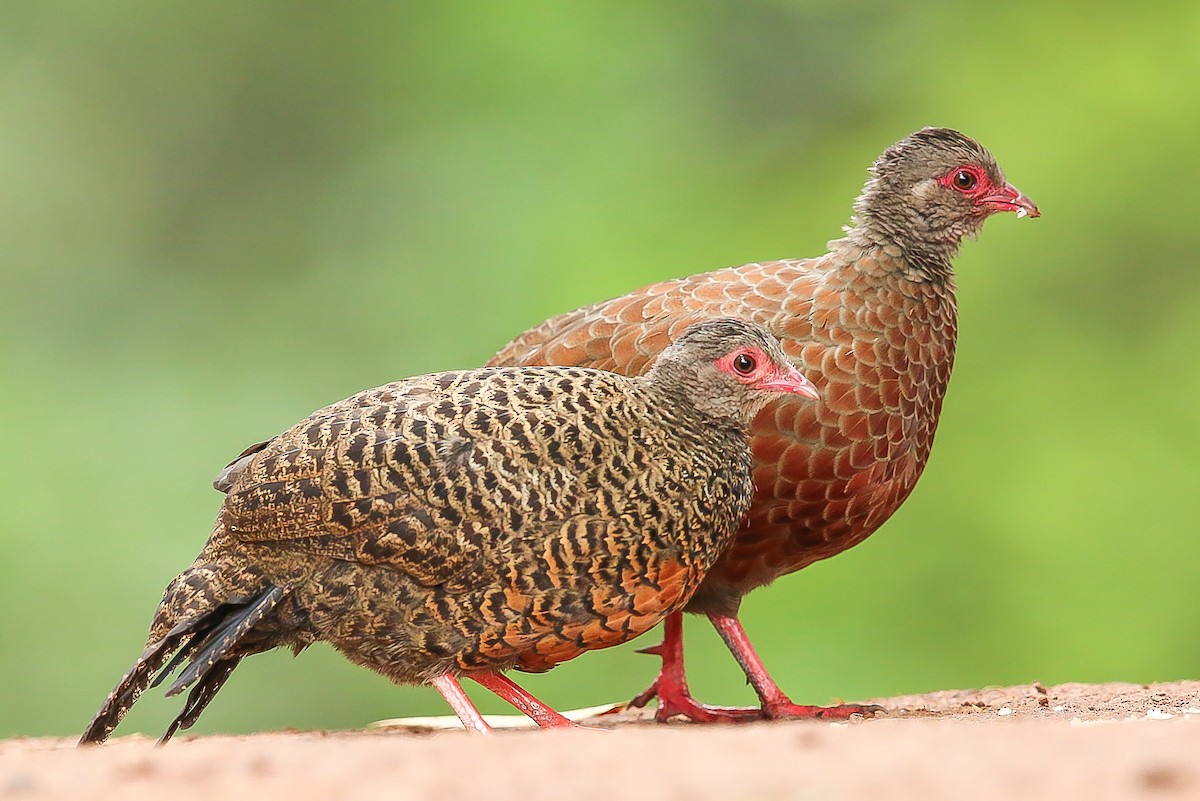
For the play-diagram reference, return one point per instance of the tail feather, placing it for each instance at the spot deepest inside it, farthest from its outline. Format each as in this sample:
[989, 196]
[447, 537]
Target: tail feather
[212, 636]
[202, 630]
[223, 637]
[200, 695]
[133, 684]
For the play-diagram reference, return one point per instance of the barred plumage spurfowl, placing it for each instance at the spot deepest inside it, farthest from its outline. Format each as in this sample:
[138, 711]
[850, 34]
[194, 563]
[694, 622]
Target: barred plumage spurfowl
[873, 323]
[467, 523]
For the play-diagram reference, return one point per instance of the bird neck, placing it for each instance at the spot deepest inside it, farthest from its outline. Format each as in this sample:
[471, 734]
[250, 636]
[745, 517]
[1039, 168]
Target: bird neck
[899, 256]
[680, 396]
[862, 257]
[926, 245]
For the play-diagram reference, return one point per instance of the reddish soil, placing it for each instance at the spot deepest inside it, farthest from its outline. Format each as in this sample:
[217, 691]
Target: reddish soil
[1073, 741]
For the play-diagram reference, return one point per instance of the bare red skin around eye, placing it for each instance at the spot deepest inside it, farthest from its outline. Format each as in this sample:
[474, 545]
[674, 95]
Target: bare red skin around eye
[763, 368]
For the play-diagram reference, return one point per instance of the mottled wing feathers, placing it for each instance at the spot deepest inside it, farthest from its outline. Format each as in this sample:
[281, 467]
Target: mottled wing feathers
[421, 474]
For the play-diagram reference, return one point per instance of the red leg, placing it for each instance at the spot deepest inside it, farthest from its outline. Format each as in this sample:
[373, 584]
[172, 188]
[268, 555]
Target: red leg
[452, 691]
[671, 687]
[775, 704]
[516, 695]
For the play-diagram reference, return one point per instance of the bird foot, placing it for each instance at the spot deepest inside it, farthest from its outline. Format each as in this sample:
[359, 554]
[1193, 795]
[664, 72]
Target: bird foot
[678, 702]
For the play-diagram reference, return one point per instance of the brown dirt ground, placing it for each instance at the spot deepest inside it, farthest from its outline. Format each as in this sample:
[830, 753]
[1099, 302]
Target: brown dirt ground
[1072, 741]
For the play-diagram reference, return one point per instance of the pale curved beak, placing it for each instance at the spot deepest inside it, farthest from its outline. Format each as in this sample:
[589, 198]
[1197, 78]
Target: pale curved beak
[1010, 199]
[793, 381]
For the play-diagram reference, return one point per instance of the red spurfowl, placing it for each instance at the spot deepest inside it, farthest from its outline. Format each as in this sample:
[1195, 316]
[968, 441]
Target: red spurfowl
[466, 523]
[872, 323]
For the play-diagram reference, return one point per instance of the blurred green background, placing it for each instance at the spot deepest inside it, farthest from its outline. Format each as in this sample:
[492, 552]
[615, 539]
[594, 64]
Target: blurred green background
[217, 217]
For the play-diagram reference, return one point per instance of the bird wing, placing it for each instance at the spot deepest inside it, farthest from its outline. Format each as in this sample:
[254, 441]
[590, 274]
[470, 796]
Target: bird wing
[230, 472]
[361, 481]
[625, 334]
[427, 475]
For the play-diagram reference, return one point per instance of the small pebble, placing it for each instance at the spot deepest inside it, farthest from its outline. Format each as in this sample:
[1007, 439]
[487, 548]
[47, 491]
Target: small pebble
[1004, 711]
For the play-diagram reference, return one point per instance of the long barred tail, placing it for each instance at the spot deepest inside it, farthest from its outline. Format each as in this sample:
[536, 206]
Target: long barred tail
[133, 683]
[210, 639]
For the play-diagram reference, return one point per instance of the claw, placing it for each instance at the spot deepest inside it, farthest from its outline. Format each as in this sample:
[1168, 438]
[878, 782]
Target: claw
[644, 697]
[652, 650]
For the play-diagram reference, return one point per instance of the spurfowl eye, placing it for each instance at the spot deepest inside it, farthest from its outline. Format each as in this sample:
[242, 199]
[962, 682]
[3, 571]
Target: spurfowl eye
[744, 363]
[965, 180]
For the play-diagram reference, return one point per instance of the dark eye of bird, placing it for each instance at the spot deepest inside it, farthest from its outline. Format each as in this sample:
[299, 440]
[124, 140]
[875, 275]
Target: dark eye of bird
[965, 179]
[744, 363]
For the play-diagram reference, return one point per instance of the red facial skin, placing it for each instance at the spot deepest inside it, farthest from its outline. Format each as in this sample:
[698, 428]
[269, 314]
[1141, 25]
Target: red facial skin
[753, 367]
[976, 184]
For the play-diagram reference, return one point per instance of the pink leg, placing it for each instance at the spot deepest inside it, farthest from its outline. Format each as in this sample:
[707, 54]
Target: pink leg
[674, 698]
[776, 705]
[510, 691]
[671, 687]
[452, 691]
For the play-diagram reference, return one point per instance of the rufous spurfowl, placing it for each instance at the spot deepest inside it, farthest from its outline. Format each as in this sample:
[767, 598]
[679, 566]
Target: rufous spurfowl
[873, 323]
[468, 523]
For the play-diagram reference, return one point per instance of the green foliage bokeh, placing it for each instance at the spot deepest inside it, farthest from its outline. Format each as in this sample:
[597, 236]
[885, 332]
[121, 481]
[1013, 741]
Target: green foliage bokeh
[215, 218]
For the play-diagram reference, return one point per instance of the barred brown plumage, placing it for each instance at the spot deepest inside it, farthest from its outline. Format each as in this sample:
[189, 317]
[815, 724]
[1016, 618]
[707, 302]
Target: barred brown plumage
[873, 322]
[471, 522]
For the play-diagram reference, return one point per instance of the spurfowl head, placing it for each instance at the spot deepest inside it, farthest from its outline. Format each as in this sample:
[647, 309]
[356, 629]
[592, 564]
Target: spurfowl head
[930, 190]
[728, 368]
